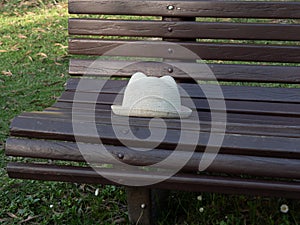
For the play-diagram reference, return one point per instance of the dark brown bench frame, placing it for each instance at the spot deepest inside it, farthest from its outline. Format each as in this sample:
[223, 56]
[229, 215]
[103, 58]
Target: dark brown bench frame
[263, 123]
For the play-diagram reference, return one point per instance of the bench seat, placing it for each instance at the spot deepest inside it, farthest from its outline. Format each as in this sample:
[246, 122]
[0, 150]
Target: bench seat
[268, 129]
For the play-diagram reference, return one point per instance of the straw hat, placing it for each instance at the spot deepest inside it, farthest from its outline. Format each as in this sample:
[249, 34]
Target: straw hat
[151, 97]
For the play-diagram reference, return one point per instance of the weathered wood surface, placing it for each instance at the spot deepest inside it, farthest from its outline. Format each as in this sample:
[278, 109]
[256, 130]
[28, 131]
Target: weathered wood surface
[194, 8]
[204, 117]
[60, 129]
[221, 72]
[271, 108]
[188, 182]
[284, 127]
[230, 92]
[263, 166]
[184, 29]
[194, 50]
[251, 100]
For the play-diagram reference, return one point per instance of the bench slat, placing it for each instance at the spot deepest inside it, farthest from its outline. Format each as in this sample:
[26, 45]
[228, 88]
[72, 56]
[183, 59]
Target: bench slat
[66, 108]
[191, 8]
[188, 182]
[282, 130]
[241, 93]
[222, 72]
[63, 130]
[207, 51]
[223, 163]
[287, 109]
[184, 29]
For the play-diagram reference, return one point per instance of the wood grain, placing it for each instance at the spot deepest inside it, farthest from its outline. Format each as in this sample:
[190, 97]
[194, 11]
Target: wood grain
[185, 29]
[209, 104]
[242, 93]
[187, 182]
[190, 8]
[250, 127]
[204, 116]
[269, 166]
[200, 71]
[61, 129]
[185, 50]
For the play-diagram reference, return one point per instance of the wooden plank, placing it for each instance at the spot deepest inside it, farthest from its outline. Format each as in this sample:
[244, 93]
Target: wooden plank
[223, 163]
[203, 50]
[210, 104]
[221, 72]
[187, 182]
[66, 108]
[241, 93]
[232, 144]
[250, 128]
[85, 109]
[184, 29]
[191, 8]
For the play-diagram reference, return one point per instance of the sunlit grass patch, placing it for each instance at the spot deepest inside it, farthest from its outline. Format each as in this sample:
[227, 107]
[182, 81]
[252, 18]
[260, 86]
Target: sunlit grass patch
[33, 58]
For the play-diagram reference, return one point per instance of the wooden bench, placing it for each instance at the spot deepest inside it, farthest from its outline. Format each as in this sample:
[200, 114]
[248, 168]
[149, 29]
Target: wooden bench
[243, 42]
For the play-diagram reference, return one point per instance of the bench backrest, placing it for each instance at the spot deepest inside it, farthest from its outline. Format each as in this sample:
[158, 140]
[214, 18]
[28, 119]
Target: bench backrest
[223, 33]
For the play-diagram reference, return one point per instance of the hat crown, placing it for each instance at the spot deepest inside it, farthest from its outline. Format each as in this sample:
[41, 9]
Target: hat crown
[151, 97]
[152, 93]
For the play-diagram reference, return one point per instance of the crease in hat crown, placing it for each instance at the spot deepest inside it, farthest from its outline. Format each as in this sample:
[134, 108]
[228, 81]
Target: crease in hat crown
[151, 97]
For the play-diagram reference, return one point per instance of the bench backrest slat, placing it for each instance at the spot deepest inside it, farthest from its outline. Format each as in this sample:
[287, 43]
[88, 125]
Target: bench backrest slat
[191, 8]
[164, 29]
[207, 51]
[225, 72]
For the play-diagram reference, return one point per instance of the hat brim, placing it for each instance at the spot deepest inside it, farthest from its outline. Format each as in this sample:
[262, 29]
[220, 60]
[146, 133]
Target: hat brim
[123, 111]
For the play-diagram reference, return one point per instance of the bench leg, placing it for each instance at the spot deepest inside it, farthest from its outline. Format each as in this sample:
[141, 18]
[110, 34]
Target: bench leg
[145, 205]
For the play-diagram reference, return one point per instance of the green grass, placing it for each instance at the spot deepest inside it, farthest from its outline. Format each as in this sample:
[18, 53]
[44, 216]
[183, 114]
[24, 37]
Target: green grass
[33, 61]
[33, 69]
